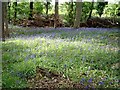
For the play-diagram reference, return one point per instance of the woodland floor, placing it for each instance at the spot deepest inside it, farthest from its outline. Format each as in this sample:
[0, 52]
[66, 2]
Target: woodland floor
[62, 75]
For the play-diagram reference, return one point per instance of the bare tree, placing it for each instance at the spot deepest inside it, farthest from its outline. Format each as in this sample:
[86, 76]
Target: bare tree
[78, 13]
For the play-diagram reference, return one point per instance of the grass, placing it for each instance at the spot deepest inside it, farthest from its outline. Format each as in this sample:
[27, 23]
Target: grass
[88, 57]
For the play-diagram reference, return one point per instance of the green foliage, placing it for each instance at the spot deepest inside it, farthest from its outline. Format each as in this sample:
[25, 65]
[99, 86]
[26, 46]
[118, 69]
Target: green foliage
[85, 11]
[111, 10]
[100, 7]
[70, 15]
[38, 7]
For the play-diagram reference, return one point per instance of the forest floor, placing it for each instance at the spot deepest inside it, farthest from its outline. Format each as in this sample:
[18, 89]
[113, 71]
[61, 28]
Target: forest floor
[61, 58]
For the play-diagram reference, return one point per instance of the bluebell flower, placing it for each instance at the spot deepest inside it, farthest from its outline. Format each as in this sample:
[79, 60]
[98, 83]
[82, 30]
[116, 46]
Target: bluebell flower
[93, 88]
[87, 87]
[101, 83]
[33, 56]
[90, 80]
[82, 81]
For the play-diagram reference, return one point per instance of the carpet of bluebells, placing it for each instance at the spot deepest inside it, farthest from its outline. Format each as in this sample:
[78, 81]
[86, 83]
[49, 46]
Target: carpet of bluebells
[89, 56]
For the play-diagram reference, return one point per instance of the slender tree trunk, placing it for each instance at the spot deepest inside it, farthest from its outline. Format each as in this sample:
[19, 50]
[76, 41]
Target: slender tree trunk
[47, 7]
[71, 5]
[31, 11]
[15, 12]
[6, 20]
[70, 13]
[91, 10]
[3, 30]
[78, 13]
[1, 23]
[56, 13]
[9, 5]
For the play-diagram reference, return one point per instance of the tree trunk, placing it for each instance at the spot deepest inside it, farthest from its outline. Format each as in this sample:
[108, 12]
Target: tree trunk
[78, 13]
[91, 10]
[47, 7]
[15, 12]
[56, 14]
[9, 5]
[31, 11]
[6, 20]
[3, 30]
[1, 23]
[70, 11]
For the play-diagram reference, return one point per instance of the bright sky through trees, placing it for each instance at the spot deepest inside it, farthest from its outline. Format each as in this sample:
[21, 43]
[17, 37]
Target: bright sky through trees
[109, 1]
[61, 1]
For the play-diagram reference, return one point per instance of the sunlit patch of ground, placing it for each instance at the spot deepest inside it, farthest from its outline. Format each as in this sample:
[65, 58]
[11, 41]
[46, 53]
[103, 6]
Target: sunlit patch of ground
[87, 56]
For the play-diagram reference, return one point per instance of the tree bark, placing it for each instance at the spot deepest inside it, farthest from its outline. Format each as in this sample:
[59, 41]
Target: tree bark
[56, 13]
[78, 13]
[6, 20]
[47, 7]
[70, 11]
[31, 11]
[1, 21]
[3, 30]
[15, 12]
[9, 5]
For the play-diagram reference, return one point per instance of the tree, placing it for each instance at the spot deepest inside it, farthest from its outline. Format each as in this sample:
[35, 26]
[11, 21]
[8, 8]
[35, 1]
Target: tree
[91, 8]
[3, 5]
[6, 19]
[15, 11]
[9, 5]
[47, 6]
[56, 13]
[31, 11]
[71, 13]
[78, 13]
[1, 23]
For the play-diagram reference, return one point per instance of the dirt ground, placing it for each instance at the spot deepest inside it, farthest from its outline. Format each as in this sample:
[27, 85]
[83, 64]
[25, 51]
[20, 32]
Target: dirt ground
[47, 79]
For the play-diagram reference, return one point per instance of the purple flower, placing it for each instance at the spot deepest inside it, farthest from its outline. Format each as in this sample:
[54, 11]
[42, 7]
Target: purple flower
[33, 56]
[87, 87]
[82, 80]
[101, 83]
[90, 80]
